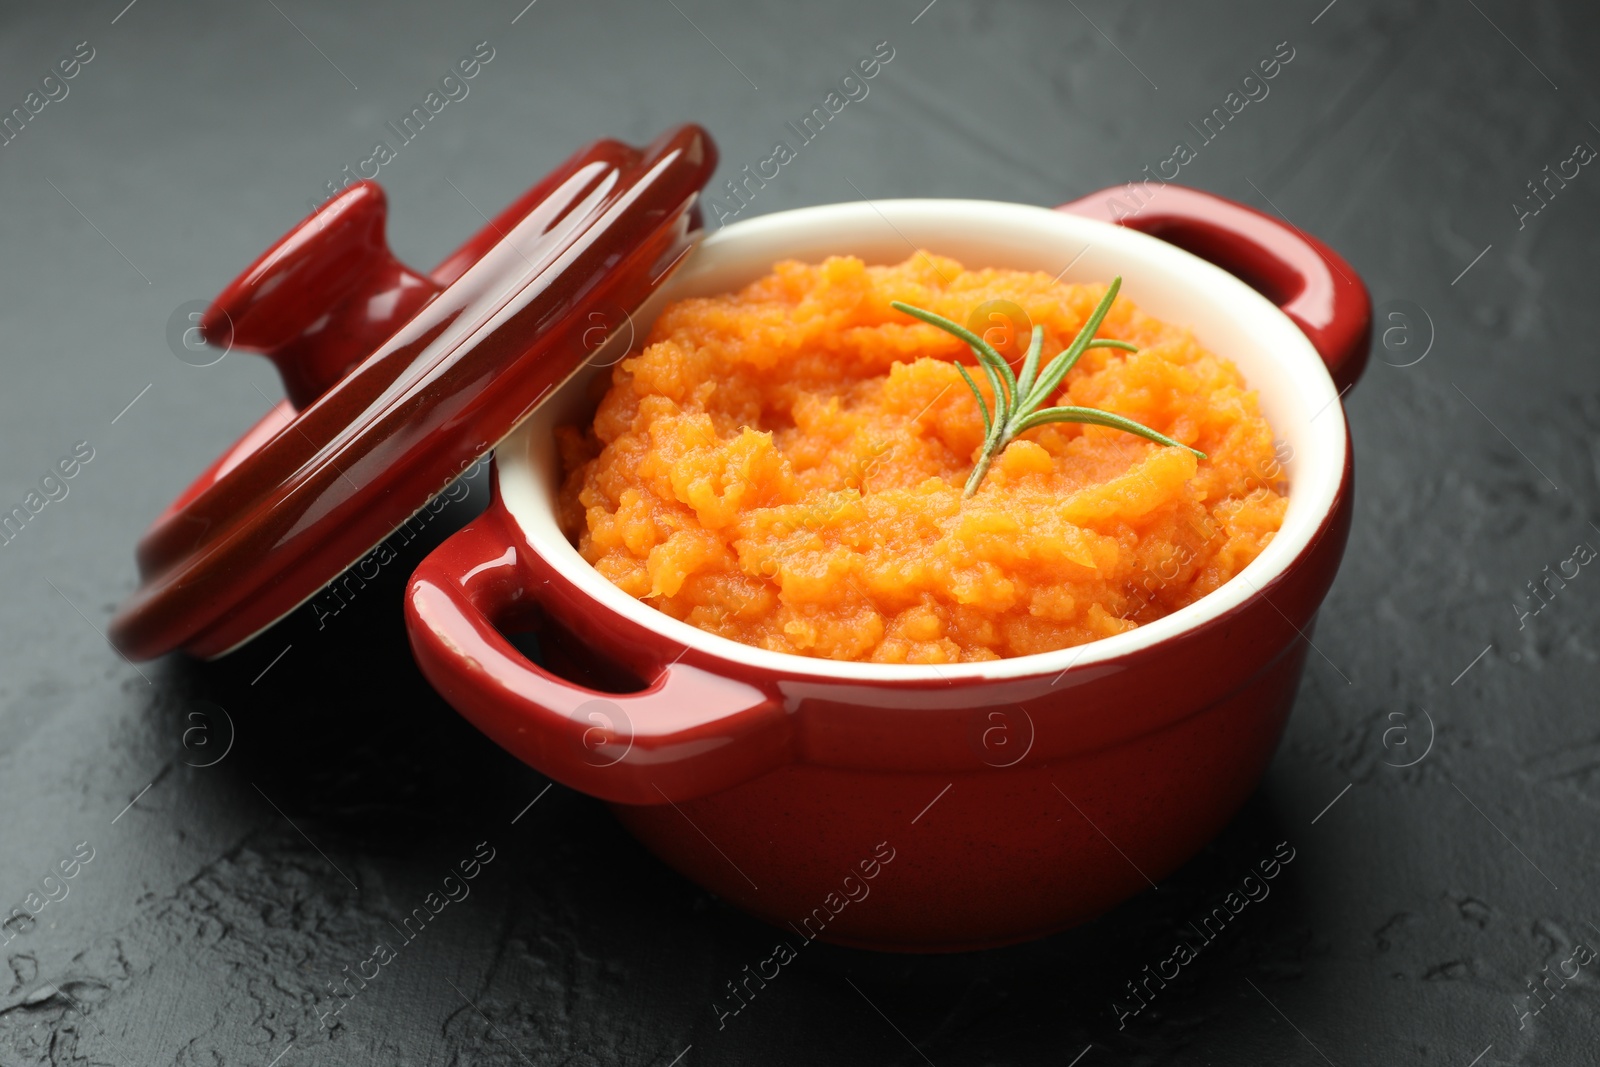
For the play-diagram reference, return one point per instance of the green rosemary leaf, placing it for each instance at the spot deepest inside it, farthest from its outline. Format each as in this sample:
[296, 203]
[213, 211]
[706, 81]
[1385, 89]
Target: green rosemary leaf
[1096, 417]
[1035, 397]
[1062, 364]
[933, 318]
[981, 348]
[1005, 400]
[1001, 412]
[1030, 362]
[983, 408]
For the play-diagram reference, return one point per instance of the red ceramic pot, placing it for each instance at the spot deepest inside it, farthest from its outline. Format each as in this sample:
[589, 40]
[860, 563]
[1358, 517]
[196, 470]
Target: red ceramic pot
[926, 808]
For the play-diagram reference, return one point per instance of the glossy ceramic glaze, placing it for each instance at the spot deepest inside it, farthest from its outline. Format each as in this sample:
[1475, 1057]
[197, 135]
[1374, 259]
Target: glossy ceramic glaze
[1016, 797]
[397, 381]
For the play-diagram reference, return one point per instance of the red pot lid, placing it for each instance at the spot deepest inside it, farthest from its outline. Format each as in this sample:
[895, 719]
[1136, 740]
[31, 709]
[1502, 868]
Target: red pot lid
[397, 381]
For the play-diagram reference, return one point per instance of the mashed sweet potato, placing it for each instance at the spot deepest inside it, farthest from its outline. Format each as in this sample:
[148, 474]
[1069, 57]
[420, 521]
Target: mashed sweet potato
[784, 466]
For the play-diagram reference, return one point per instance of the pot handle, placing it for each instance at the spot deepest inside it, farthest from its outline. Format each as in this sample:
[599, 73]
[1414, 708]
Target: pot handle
[687, 734]
[1306, 279]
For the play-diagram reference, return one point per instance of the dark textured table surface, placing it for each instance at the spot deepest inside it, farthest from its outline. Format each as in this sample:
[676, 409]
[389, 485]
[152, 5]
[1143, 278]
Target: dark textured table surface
[228, 885]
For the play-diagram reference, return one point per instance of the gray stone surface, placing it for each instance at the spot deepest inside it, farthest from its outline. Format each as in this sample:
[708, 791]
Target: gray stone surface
[218, 905]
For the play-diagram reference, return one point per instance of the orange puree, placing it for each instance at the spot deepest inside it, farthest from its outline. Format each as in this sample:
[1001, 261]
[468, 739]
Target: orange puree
[784, 466]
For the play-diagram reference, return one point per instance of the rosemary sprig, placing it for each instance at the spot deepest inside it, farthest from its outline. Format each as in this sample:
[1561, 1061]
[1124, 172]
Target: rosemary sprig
[1018, 396]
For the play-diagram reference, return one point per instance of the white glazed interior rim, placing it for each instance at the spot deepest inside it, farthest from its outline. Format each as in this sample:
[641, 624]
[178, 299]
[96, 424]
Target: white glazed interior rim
[1230, 318]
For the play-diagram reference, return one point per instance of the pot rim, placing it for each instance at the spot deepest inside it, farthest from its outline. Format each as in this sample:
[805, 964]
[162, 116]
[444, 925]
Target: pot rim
[1279, 363]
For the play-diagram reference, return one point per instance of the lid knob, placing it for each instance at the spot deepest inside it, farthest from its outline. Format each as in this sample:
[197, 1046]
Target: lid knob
[403, 385]
[321, 299]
